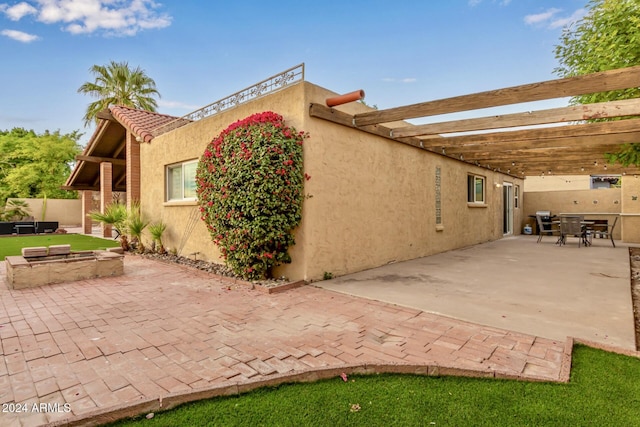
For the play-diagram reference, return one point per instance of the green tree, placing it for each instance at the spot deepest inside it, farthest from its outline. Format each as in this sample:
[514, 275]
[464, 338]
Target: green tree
[119, 84]
[36, 165]
[608, 37]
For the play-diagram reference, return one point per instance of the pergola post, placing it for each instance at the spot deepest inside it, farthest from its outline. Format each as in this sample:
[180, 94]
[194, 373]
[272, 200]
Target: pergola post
[133, 169]
[87, 205]
[106, 196]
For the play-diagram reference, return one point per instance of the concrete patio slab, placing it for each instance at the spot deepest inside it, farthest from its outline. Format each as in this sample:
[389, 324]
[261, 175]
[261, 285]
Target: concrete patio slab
[516, 284]
[163, 331]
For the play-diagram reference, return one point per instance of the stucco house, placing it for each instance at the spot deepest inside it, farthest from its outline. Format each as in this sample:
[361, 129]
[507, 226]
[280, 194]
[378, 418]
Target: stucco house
[372, 201]
[378, 194]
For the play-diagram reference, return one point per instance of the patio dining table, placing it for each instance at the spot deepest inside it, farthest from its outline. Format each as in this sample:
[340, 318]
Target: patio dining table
[585, 235]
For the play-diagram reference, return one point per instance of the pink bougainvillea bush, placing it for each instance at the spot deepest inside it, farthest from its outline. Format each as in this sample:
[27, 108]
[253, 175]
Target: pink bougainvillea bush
[250, 186]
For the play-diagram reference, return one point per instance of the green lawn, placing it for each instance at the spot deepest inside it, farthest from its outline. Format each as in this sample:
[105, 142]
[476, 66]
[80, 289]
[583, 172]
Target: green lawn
[604, 390]
[79, 242]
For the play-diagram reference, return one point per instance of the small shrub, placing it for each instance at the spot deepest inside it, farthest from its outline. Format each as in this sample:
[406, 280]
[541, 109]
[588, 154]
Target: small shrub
[136, 225]
[156, 230]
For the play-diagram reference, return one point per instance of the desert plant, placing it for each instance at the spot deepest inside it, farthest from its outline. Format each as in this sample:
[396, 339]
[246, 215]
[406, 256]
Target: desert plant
[156, 230]
[136, 225]
[115, 215]
[14, 210]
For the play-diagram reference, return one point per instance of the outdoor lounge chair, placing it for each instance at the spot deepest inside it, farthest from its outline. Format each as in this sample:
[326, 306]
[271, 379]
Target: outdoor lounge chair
[571, 225]
[545, 228]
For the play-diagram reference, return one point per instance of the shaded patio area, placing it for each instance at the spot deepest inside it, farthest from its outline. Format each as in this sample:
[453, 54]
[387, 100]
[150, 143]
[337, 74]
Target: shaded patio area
[516, 284]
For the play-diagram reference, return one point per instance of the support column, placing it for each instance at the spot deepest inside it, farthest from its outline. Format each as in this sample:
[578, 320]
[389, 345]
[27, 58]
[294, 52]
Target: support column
[133, 169]
[87, 205]
[106, 196]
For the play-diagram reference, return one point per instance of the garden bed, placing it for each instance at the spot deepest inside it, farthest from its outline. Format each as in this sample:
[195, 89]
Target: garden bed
[225, 274]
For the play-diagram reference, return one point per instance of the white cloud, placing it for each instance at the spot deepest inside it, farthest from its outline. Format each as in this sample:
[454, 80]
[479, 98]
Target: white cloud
[553, 19]
[111, 17]
[19, 36]
[18, 11]
[474, 3]
[404, 80]
[541, 17]
[563, 22]
[177, 105]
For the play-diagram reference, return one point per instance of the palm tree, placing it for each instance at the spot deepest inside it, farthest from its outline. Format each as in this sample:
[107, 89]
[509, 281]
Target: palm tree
[119, 84]
[115, 214]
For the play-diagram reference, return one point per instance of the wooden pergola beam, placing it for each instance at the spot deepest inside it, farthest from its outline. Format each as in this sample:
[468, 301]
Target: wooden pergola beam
[80, 187]
[96, 159]
[623, 108]
[622, 78]
[630, 126]
[608, 143]
[525, 155]
[537, 170]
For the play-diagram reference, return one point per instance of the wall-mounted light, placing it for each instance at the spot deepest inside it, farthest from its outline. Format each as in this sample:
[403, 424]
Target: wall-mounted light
[498, 185]
[595, 202]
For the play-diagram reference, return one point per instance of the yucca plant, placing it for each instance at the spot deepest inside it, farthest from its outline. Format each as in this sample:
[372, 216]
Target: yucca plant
[115, 215]
[136, 225]
[156, 230]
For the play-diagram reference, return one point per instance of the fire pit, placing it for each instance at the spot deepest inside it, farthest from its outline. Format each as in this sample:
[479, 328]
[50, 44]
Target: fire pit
[57, 264]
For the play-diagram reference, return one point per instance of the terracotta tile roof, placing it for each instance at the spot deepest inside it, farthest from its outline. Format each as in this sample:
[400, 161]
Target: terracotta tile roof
[144, 124]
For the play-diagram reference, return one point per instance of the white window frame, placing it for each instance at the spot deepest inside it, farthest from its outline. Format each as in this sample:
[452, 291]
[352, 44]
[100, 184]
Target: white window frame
[168, 190]
[471, 190]
[516, 196]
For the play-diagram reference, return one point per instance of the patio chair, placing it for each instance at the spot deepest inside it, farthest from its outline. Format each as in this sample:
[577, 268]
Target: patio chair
[545, 228]
[608, 232]
[571, 225]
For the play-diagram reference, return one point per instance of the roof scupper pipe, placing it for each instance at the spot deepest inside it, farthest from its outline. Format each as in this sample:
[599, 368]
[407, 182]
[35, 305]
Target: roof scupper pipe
[347, 97]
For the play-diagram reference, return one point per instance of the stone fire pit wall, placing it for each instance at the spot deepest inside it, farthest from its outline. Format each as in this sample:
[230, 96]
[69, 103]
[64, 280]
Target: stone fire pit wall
[31, 272]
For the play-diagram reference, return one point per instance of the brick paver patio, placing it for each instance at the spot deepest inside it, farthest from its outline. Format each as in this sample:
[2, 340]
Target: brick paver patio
[163, 329]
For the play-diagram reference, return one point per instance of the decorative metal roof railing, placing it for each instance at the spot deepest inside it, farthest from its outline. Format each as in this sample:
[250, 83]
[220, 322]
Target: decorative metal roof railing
[267, 86]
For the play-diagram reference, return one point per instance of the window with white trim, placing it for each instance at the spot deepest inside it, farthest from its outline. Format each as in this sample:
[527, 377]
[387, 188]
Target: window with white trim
[475, 189]
[181, 181]
[516, 197]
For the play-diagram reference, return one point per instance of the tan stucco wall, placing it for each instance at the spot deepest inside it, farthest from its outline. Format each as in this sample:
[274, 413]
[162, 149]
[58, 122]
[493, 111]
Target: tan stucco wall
[630, 197]
[68, 212]
[188, 143]
[593, 204]
[557, 183]
[371, 201]
[374, 200]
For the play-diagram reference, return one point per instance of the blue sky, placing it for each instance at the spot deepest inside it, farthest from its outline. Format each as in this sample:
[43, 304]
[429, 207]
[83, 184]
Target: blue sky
[400, 52]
